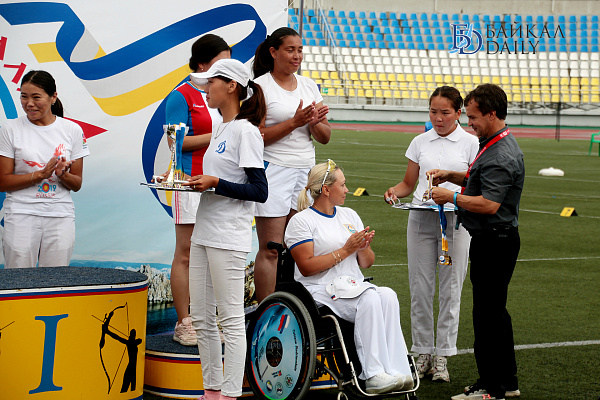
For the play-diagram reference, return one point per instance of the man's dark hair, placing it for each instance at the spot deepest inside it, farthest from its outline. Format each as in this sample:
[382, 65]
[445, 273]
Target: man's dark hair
[489, 97]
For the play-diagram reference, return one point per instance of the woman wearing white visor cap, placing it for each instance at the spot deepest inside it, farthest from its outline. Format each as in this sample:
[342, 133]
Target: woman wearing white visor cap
[233, 166]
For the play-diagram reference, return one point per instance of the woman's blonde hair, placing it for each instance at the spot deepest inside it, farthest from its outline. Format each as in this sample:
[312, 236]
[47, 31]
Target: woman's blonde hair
[314, 184]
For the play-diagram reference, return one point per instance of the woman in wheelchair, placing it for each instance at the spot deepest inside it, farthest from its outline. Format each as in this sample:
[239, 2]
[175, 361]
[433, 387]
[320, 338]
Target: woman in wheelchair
[330, 245]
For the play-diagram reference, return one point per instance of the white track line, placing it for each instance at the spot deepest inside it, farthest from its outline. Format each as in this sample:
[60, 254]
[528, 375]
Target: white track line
[555, 213]
[543, 345]
[520, 260]
[562, 179]
[521, 209]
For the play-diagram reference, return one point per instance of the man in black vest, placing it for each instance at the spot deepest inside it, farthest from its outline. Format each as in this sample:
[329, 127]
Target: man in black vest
[488, 207]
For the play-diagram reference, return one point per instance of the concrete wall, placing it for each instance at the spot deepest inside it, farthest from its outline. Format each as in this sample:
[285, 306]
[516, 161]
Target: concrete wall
[536, 7]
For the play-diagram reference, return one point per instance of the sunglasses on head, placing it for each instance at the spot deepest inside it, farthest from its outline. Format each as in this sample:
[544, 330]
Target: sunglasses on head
[330, 166]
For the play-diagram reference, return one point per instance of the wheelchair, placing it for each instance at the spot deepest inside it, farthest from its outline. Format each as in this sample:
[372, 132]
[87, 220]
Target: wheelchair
[292, 341]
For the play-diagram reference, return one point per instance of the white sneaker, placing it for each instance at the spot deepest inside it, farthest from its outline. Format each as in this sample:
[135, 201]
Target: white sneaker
[381, 383]
[423, 364]
[185, 333]
[474, 392]
[508, 393]
[440, 369]
[405, 382]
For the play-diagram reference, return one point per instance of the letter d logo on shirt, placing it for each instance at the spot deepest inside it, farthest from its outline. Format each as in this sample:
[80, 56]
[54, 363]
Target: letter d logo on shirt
[221, 147]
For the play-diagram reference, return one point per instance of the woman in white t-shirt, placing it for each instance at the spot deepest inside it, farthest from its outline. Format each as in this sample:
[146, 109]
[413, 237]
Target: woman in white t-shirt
[222, 236]
[295, 115]
[41, 162]
[445, 146]
[187, 104]
[330, 246]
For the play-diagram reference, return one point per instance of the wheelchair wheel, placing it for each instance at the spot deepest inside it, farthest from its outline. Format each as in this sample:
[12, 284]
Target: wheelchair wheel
[282, 350]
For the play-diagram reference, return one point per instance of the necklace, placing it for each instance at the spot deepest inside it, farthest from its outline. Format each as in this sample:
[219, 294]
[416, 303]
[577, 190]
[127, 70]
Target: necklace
[219, 130]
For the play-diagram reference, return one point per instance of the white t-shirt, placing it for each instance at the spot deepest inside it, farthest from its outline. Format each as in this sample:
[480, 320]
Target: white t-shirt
[223, 222]
[32, 146]
[295, 150]
[328, 233]
[431, 151]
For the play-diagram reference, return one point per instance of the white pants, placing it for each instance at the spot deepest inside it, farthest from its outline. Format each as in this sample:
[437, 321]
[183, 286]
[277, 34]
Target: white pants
[377, 332]
[424, 241]
[217, 282]
[28, 239]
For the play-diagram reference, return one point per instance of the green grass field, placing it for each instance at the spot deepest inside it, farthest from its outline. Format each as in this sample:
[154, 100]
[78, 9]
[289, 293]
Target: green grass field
[554, 294]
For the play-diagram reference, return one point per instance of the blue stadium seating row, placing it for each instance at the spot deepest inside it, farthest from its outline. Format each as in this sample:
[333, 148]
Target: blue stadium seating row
[405, 24]
[365, 28]
[446, 17]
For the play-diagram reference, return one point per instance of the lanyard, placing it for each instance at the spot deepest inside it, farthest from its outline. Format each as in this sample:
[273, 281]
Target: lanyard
[445, 258]
[487, 146]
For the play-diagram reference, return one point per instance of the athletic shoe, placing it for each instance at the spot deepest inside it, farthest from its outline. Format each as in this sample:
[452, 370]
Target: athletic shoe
[440, 369]
[404, 382]
[423, 364]
[474, 392]
[381, 383]
[185, 333]
[508, 393]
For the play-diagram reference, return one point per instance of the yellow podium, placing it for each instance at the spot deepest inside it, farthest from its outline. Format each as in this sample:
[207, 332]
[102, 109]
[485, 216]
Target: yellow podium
[72, 333]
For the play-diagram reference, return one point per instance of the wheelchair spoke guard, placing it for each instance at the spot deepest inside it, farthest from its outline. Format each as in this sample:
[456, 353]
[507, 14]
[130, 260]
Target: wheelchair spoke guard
[281, 357]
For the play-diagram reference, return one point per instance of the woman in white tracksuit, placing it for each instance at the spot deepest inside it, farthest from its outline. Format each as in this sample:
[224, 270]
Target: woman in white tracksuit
[445, 146]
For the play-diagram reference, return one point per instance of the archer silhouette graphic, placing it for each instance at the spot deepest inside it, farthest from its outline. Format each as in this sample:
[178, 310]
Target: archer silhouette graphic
[131, 343]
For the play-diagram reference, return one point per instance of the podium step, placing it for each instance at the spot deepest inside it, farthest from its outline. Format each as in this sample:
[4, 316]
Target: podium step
[174, 371]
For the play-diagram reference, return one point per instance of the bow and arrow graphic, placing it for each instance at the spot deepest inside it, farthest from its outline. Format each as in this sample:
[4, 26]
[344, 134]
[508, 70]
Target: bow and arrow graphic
[131, 347]
[105, 325]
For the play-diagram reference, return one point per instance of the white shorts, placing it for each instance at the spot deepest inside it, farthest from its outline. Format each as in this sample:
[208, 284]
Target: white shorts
[27, 237]
[185, 206]
[285, 184]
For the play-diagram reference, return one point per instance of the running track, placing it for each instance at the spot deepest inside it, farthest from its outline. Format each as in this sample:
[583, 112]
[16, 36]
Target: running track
[518, 131]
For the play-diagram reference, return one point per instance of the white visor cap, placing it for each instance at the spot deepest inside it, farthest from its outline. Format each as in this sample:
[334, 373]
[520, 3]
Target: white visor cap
[226, 67]
[345, 287]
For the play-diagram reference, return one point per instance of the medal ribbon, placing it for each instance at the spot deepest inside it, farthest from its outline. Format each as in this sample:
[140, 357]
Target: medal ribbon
[445, 257]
